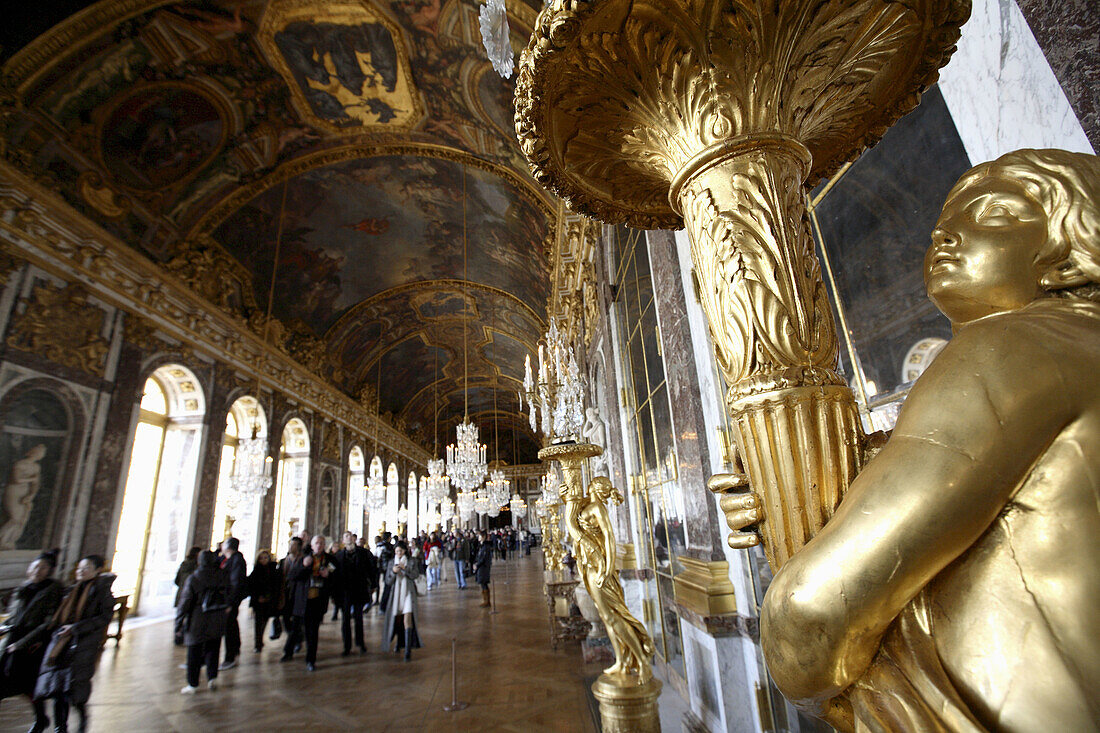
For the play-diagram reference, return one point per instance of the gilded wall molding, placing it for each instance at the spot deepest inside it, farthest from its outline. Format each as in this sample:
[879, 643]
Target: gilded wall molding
[49, 233]
[78, 344]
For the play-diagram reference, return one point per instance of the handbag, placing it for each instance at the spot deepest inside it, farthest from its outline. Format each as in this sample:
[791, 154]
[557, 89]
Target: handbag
[421, 584]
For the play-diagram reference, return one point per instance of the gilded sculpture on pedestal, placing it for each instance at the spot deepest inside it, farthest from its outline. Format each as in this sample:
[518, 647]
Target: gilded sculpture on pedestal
[957, 586]
[594, 546]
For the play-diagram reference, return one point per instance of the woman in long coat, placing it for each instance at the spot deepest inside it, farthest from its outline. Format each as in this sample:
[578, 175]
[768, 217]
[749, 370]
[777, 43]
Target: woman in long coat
[483, 565]
[201, 618]
[79, 629]
[265, 588]
[401, 574]
[33, 604]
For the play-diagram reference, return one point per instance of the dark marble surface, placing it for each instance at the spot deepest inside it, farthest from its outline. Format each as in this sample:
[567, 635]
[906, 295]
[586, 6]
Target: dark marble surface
[1069, 34]
[689, 428]
[876, 224]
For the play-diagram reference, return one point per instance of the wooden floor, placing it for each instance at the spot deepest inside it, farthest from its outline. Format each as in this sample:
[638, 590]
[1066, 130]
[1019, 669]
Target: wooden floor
[506, 671]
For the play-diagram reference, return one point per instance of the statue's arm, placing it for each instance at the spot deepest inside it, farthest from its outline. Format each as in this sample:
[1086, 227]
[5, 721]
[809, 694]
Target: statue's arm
[969, 432]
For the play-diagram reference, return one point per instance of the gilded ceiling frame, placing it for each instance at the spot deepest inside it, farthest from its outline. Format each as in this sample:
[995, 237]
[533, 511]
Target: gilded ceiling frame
[30, 63]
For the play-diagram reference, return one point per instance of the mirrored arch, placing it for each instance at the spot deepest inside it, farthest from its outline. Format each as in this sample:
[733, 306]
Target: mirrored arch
[292, 485]
[236, 514]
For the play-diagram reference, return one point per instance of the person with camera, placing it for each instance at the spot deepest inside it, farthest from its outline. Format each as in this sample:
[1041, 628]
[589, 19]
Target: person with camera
[202, 616]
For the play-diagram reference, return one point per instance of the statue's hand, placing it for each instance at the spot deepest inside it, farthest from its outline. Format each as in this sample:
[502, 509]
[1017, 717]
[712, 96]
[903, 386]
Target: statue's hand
[741, 507]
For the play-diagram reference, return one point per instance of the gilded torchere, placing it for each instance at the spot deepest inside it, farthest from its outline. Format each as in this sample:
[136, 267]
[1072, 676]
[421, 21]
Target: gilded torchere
[714, 115]
[627, 691]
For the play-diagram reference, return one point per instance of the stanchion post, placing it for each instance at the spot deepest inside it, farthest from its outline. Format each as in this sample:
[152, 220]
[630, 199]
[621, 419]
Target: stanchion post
[493, 594]
[455, 704]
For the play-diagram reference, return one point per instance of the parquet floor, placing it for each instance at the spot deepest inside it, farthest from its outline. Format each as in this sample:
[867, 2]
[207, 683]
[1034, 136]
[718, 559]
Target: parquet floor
[506, 671]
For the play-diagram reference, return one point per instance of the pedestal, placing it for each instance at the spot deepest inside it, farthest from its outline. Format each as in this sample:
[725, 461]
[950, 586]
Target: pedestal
[627, 708]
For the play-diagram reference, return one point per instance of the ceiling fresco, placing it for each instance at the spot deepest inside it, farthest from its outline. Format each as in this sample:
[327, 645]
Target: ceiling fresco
[181, 127]
[358, 227]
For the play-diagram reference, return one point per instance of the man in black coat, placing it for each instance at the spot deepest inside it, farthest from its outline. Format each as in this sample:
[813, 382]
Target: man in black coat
[236, 573]
[357, 572]
[483, 565]
[384, 559]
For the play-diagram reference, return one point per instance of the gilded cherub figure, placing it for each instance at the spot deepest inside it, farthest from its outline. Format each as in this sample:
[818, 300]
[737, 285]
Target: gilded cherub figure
[594, 545]
[957, 587]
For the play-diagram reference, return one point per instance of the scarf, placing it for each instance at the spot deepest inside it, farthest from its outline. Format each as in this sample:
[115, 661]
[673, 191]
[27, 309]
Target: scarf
[72, 608]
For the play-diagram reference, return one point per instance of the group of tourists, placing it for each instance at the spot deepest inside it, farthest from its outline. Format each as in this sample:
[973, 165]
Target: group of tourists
[293, 595]
[53, 636]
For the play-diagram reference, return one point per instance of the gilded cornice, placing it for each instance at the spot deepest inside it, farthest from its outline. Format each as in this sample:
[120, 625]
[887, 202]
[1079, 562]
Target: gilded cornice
[49, 233]
[208, 224]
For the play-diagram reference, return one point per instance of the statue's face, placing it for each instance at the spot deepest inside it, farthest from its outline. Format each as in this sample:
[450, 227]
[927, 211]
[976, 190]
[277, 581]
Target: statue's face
[984, 248]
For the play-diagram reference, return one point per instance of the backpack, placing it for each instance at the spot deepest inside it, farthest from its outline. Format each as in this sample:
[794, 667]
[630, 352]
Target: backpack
[214, 598]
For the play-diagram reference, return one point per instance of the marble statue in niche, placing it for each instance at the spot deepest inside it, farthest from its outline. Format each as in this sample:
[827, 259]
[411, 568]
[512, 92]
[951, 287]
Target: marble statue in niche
[34, 443]
[595, 432]
[23, 485]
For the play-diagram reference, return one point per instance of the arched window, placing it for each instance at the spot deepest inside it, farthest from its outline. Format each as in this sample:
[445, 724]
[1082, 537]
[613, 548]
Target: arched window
[293, 485]
[235, 514]
[160, 490]
[414, 507]
[376, 517]
[356, 503]
[393, 498]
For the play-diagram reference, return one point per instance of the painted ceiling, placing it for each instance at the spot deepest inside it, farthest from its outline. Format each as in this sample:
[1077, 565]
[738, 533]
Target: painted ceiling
[360, 139]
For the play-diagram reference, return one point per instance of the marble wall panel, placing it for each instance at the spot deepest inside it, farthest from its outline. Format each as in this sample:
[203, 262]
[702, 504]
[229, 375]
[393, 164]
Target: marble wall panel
[1069, 34]
[1000, 89]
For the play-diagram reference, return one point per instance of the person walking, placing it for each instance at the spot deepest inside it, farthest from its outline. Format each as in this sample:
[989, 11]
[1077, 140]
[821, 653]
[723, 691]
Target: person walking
[202, 618]
[357, 573]
[236, 574]
[77, 632]
[461, 558]
[32, 606]
[483, 565]
[385, 558]
[435, 561]
[311, 593]
[401, 574]
[293, 555]
[265, 588]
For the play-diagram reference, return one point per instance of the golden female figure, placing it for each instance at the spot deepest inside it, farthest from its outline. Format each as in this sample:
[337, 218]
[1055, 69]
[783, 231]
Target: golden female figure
[594, 545]
[957, 587]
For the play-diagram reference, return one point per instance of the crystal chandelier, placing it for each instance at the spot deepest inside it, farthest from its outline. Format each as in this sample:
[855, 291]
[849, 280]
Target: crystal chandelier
[495, 36]
[466, 464]
[402, 515]
[498, 487]
[466, 504]
[549, 486]
[252, 467]
[376, 489]
[481, 501]
[437, 485]
[518, 507]
[466, 456]
[447, 511]
[556, 399]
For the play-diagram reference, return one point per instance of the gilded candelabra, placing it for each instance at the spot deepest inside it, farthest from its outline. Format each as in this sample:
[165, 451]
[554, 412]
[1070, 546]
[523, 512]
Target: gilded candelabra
[714, 115]
[627, 691]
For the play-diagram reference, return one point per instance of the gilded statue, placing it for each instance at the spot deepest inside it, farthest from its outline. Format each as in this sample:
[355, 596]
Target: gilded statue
[957, 586]
[589, 526]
